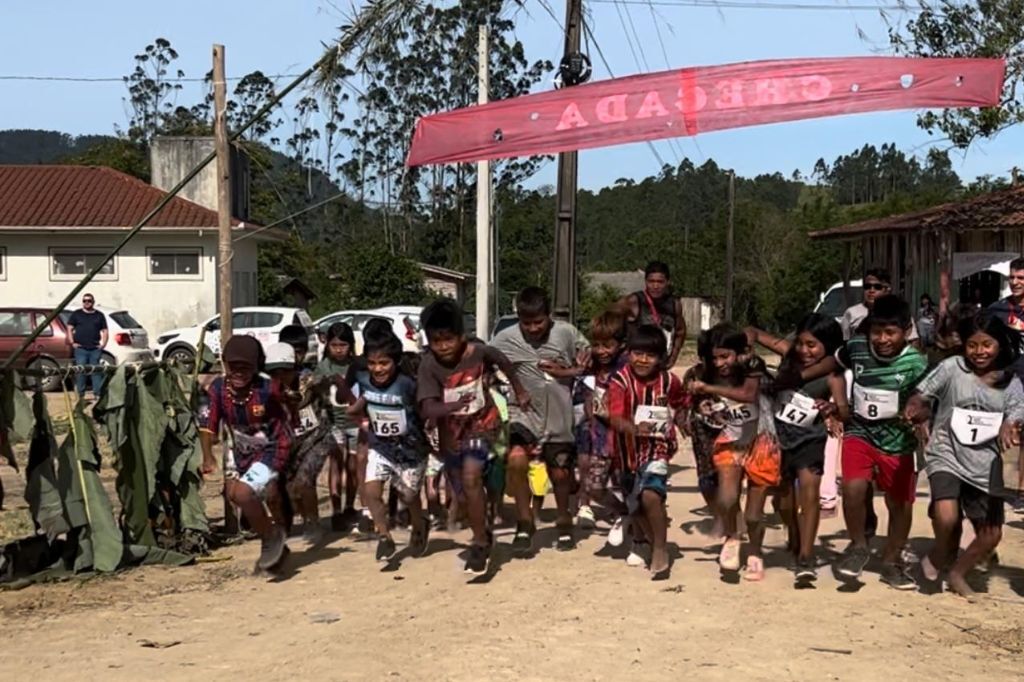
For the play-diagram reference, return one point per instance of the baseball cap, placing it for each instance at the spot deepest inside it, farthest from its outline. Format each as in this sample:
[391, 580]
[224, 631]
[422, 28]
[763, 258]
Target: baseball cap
[280, 356]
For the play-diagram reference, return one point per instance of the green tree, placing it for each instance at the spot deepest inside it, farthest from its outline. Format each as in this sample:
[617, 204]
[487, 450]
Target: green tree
[371, 277]
[951, 28]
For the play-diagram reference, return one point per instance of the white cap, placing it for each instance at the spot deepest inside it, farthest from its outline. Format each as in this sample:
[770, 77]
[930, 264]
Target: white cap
[280, 356]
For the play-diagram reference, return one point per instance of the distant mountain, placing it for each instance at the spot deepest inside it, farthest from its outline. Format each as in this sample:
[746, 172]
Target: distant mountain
[44, 146]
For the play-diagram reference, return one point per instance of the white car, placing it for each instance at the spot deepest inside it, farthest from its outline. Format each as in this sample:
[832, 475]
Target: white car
[833, 302]
[127, 341]
[261, 322]
[405, 323]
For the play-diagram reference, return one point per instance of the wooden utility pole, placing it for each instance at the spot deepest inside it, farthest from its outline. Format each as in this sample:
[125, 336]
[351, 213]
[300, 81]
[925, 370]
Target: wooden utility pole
[730, 247]
[483, 201]
[223, 149]
[224, 249]
[565, 293]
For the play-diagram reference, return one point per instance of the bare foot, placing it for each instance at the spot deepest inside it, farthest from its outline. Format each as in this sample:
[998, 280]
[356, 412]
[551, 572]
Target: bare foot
[754, 572]
[958, 585]
[659, 561]
[930, 570]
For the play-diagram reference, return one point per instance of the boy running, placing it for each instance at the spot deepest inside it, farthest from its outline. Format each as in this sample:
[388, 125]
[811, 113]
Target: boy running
[543, 353]
[878, 444]
[645, 404]
[453, 390]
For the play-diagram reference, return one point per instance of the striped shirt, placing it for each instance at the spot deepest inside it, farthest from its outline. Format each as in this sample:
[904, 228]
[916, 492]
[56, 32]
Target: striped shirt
[881, 387]
[626, 393]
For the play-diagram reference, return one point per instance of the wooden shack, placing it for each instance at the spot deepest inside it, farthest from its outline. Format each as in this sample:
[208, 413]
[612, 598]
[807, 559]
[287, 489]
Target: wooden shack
[969, 242]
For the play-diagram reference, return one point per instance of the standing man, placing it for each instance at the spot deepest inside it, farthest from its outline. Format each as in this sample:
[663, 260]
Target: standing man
[656, 305]
[877, 283]
[87, 329]
[1011, 309]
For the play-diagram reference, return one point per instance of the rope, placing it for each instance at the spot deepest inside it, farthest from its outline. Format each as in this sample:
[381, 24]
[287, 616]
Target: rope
[78, 462]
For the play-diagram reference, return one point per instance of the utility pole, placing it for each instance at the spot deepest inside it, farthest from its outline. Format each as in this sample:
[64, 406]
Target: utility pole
[224, 249]
[483, 200]
[730, 247]
[223, 150]
[565, 199]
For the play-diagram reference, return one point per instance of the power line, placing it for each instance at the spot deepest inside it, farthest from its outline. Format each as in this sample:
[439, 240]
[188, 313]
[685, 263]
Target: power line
[122, 79]
[749, 4]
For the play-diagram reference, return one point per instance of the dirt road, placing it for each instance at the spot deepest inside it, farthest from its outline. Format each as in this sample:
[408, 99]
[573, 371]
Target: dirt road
[570, 616]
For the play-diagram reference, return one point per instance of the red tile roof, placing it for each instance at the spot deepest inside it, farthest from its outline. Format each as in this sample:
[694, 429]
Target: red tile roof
[1000, 210]
[90, 197]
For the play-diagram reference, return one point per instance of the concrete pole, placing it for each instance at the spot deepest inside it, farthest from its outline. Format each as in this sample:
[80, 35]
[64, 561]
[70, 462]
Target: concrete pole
[483, 203]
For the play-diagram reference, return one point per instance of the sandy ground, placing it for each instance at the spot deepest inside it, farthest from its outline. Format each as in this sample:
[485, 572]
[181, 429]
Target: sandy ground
[583, 615]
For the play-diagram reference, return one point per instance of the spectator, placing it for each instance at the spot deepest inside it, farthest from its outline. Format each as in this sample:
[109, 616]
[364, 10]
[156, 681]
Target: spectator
[87, 329]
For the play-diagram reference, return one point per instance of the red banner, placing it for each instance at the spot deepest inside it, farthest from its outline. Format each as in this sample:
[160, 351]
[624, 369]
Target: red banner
[699, 100]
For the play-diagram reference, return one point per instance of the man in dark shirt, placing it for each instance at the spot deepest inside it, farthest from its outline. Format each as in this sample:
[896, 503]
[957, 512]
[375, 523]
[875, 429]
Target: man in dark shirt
[87, 329]
[657, 305]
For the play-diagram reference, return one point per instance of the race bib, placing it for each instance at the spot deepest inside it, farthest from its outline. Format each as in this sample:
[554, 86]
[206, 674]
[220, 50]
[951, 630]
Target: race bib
[738, 414]
[474, 389]
[308, 420]
[657, 419]
[388, 423]
[973, 427]
[799, 411]
[579, 414]
[874, 403]
[597, 403]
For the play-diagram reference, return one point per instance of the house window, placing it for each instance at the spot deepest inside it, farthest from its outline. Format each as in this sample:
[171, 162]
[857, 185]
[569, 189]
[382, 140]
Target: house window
[175, 263]
[71, 264]
[3, 263]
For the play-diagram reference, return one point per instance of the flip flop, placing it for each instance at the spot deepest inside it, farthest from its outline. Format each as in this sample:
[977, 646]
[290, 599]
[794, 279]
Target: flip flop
[754, 571]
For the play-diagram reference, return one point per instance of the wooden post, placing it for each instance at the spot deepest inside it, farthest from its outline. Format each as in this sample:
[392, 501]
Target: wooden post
[730, 247]
[847, 266]
[224, 250]
[483, 202]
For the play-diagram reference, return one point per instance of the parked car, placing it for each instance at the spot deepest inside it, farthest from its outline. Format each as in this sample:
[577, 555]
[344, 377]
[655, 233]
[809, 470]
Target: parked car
[50, 350]
[262, 322]
[405, 323]
[833, 303]
[503, 323]
[127, 341]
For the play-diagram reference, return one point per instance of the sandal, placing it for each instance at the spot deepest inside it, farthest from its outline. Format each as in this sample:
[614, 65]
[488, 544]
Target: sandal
[729, 556]
[754, 571]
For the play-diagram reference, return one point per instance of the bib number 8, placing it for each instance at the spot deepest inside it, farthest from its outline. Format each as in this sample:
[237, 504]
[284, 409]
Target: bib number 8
[873, 411]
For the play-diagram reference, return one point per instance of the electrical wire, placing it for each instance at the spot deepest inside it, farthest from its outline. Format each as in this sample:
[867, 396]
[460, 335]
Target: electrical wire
[748, 4]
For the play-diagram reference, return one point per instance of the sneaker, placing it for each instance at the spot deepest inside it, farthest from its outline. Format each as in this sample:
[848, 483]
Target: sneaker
[854, 562]
[365, 523]
[566, 541]
[585, 517]
[617, 534]
[908, 557]
[806, 570]
[523, 541]
[897, 577]
[272, 549]
[419, 539]
[729, 556]
[638, 554]
[476, 563]
[386, 549]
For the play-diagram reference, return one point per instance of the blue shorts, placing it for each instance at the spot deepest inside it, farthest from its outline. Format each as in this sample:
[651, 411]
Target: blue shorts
[652, 476]
[473, 449]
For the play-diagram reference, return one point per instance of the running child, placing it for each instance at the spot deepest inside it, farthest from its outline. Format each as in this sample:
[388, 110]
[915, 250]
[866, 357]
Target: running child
[241, 405]
[878, 445]
[734, 380]
[800, 423]
[453, 389]
[397, 444]
[544, 354]
[969, 399]
[376, 330]
[339, 351]
[645, 404]
[594, 439]
[702, 430]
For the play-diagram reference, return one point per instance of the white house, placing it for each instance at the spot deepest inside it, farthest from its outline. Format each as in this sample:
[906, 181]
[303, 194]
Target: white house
[56, 222]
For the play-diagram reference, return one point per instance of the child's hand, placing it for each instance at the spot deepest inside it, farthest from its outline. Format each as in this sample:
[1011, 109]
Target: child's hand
[834, 427]
[583, 357]
[1009, 436]
[697, 386]
[825, 408]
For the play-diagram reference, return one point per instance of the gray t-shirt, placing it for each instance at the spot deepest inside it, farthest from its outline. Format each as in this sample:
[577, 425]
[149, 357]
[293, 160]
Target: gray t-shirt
[550, 416]
[964, 435]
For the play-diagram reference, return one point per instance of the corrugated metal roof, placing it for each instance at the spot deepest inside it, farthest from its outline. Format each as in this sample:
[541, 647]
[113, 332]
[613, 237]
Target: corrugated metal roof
[90, 197]
[1000, 210]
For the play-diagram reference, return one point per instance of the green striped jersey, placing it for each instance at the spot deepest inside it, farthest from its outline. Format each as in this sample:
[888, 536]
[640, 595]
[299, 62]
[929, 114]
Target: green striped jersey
[881, 387]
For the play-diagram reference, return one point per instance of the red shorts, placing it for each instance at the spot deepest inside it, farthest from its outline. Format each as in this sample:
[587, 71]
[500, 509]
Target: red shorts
[894, 474]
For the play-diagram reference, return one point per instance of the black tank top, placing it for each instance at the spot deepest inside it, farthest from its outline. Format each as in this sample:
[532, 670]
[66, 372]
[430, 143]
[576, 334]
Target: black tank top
[661, 314]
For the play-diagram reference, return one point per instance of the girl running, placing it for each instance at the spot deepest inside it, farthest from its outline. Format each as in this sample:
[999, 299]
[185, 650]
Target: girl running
[734, 381]
[800, 423]
[976, 405]
[339, 352]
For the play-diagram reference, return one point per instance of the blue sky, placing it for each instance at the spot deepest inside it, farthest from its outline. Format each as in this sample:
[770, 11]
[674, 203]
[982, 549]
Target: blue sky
[98, 39]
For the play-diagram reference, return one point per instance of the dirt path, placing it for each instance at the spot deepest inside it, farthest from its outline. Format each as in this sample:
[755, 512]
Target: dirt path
[575, 616]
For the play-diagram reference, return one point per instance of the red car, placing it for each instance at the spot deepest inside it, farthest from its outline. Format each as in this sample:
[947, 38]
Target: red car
[49, 350]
